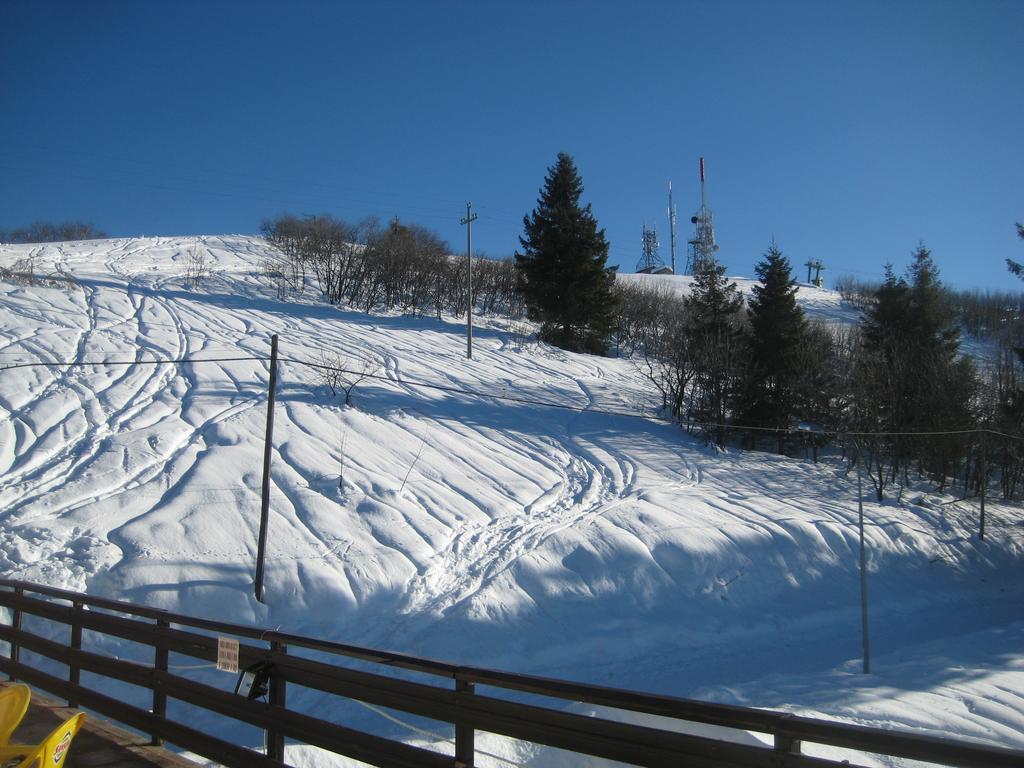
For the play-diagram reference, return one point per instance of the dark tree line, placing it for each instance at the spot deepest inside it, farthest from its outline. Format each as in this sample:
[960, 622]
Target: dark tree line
[725, 367]
[983, 314]
[762, 375]
[396, 266]
[909, 378]
[52, 232]
[1006, 411]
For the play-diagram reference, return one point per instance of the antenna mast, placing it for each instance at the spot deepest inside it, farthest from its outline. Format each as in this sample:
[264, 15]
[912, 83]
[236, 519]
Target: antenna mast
[702, 246]
[703, 197]
[672, 226]
[650, 262]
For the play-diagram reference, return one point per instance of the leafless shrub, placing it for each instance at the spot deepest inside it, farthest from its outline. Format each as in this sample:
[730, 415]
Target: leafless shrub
[341, 374]
[21, 272]
[197, 268]
[399, 266]
[859, 294]
[51, 232]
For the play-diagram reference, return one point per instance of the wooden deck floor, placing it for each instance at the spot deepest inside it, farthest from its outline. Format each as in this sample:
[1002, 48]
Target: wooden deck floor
[100, 743]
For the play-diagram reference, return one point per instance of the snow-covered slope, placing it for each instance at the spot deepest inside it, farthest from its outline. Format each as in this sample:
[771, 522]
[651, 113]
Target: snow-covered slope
[818, 303]
[580, 544]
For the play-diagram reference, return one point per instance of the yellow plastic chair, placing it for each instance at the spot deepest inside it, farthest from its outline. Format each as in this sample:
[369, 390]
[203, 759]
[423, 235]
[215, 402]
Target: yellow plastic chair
[14, 700]
[48, 754]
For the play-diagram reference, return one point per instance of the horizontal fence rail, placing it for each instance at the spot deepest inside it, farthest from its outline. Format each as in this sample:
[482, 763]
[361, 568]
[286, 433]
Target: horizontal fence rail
[453, 699]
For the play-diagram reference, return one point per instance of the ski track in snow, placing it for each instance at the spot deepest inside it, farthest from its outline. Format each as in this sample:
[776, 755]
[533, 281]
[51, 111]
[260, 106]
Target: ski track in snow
[480, 552]
[570, 543]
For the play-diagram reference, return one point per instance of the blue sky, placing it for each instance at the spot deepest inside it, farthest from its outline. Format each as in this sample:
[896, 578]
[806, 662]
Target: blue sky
[849, 132]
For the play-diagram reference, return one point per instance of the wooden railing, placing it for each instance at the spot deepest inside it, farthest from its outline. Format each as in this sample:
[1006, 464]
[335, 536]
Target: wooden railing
[453, 699]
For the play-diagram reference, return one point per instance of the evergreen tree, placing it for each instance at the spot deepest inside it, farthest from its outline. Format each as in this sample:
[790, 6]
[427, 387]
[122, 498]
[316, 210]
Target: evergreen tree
[909, 378]
[930, 309]
[1015, 266]
[562, 273]
[879, 378]
[776, 341]
[714, 306]
[1009, 412]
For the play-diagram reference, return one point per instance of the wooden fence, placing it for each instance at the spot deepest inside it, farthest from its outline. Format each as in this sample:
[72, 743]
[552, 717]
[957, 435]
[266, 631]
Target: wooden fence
[468, 698]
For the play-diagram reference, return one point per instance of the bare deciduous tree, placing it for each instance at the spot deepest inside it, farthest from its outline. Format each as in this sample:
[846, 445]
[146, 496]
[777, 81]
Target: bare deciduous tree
[399, 266]
[196, 266]
[341, 374]
[52, 232]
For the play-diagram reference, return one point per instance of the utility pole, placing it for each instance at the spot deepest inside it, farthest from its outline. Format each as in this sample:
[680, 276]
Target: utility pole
[261, 546]
[468, 221]
[984, 482]
[863, 568]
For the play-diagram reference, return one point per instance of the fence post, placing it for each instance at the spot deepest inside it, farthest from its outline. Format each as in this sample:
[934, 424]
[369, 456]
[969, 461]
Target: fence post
[160, 666]
[785, 744]
[74, 671]
[19, 593]
[275, 740]
[464, 734]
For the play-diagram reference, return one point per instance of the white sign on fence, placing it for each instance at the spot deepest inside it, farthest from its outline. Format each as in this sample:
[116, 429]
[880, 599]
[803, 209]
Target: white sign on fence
[227, 654]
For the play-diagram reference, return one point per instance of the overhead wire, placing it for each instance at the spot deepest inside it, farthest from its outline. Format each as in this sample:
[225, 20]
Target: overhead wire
[505, 397]
[263, 194]
[172, 361]
[205, 190]
[239, 174]
[290, 197]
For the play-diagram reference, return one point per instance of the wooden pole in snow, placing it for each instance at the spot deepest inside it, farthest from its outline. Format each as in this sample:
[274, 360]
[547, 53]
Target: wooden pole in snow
[468, 221]
[261, 546]
[984, 482]
[863, 569]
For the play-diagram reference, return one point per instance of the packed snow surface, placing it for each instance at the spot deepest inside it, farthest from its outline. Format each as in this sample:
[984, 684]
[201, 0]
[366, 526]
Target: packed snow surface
[466, 522]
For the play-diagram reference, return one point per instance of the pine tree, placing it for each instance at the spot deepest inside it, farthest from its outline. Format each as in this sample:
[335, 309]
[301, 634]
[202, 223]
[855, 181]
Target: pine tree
[714, 306]
[776, 340]
[908, 377]
[944, 390]
[1009, 411]
[1015, 266]
[930, 308]
[562, 273]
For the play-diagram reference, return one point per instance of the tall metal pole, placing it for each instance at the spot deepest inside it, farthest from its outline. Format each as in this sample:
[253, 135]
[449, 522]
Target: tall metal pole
[261, 546]
[984, 482]
[468, 221]
[703, 197]
[672, 226]
[863, 568]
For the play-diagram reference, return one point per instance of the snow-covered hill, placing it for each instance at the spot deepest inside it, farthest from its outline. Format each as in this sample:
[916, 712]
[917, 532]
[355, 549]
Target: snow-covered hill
[817, 303]
[571, 543]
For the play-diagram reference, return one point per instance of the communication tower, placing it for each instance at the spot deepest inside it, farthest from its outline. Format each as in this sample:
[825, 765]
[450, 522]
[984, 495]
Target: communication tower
[672, 225]
[702, 246]
[650, 262]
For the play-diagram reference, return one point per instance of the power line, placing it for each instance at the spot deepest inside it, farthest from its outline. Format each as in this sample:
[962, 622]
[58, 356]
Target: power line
[216, 171]
[204, 190]
[451, 389]
[175, 361]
